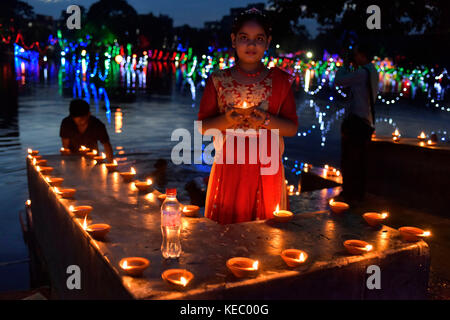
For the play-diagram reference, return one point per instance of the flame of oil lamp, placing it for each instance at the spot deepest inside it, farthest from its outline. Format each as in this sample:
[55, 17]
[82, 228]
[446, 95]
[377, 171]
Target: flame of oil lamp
[301, 257]
[34, 161]
[396, 133]
[422, 137]
[71, 208]
[178, 277]
[426, 234]
[133, 171]
[28, 203]
[84, 223]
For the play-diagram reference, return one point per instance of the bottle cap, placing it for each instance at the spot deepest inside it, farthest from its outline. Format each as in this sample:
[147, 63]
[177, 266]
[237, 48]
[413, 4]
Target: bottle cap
[171, 191]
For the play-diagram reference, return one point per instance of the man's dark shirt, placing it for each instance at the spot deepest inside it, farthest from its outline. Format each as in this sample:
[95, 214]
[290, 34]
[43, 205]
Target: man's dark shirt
[95, 131]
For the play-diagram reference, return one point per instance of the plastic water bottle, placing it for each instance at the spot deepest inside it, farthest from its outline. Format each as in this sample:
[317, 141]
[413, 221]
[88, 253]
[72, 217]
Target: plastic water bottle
[171, 225]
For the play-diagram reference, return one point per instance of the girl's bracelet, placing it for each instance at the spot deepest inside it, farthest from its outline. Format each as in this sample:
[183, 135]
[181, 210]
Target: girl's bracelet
[266, 120]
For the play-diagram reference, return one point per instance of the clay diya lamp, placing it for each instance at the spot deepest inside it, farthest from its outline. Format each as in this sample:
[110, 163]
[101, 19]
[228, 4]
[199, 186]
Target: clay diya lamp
[144, 186]
[243, 267]
[64, 151]
[162, 197]
[422, 137]
[374, 219]
[128, 176]
[83, 150]
[33, 152]
[134, 266]
[179, 277]
[66, 193]
[97, 231]
[338, 207]
[191, 210]
[54, 181]
[44, 170]
[91, 154]
[101, 158]
[357, 246]
[40, 162]
[111, 166]
[413, 234]
[294, 257]
[290, 190]
[431, 142]
[80, 211]
[245, 109]
[282, 215]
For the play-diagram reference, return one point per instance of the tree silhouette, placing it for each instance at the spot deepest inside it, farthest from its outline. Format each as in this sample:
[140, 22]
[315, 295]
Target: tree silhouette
[114, 17]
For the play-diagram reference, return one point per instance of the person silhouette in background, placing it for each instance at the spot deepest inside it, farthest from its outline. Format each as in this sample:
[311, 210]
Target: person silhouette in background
[80, 128]
[359, 120]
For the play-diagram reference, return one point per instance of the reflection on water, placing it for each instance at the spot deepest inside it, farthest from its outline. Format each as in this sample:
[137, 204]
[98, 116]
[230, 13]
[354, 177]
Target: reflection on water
[140, 108]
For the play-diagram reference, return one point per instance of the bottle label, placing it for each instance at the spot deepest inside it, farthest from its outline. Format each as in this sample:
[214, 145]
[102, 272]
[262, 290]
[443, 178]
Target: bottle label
[169, 220]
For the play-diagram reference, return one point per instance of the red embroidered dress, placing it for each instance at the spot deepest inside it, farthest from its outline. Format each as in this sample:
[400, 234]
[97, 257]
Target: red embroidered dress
[239, 192]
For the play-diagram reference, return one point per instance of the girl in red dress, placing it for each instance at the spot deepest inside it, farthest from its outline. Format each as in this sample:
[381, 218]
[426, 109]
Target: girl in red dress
[247, 96]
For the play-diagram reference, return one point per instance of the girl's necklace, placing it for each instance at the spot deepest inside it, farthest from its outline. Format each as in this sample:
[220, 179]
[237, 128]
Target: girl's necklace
[251, 75]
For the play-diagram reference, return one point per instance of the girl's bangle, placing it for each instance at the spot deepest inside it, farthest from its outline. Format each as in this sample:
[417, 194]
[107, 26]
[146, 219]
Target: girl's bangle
[266, 120]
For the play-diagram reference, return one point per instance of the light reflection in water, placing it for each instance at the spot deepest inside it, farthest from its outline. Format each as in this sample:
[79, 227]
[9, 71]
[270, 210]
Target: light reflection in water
[118, 120]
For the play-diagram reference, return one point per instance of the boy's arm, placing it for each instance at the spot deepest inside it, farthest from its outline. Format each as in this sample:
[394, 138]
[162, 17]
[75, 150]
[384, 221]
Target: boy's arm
[65, 143]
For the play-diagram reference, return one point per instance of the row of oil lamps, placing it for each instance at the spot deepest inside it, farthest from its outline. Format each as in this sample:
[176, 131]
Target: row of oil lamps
[422, 138]
[133, 266]
[239, 266]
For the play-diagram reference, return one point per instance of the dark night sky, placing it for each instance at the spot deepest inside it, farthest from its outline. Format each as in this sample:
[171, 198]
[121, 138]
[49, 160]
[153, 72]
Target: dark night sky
[191, 12]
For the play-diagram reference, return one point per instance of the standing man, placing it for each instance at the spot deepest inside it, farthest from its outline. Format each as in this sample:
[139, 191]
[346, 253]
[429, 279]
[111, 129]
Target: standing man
[359, 120]
[80, 128]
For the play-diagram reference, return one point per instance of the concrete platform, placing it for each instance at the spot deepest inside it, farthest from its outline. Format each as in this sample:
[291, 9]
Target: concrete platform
[410, 173]
[330, 272]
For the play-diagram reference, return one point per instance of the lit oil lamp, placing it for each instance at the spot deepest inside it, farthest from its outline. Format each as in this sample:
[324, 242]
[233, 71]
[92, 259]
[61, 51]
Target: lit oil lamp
[294, 257]
[65, 193]
[28, 203]
[128, 176]
[162, 197]
[282, 215]
[179, 277]
[357, 246]
[243, 267]
[64, 151]
[40, 162]
[412, 234]
[44, 170]
[134, 266]
[191, 210]
[374, 219]
[97, 231]
[80, 211]
[306, 167]
[33, 152]
[100, 158]
[111, 166]
[396, 136]
[144, 186]
[291, 189]
[91, 154]
[337, 206]
[431, 142]
[83, 150]
[422, 137]
[54, 181]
